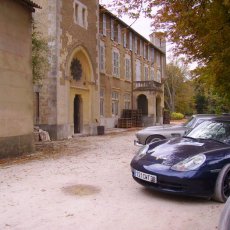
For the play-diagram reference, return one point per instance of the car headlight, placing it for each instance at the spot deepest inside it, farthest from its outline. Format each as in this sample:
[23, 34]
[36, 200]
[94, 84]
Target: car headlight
[190, 163]
[142, 152]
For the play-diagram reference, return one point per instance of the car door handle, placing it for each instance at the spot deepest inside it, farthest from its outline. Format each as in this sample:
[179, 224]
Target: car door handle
[175, 134]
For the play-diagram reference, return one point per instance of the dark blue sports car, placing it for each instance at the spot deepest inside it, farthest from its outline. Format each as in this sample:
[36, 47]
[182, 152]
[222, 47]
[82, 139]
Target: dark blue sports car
[197, 164]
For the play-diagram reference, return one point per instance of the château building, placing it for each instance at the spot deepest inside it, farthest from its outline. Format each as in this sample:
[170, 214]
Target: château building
[99, 66]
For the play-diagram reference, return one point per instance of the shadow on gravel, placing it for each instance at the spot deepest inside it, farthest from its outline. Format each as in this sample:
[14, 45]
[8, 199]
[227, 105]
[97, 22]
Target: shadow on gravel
[176, 198]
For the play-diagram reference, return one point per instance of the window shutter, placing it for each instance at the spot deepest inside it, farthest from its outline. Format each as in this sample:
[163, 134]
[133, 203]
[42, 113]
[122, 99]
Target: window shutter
[104, 24]
[112, 29]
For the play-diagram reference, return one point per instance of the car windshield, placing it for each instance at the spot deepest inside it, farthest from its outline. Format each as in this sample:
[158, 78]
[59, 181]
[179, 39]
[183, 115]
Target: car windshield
[216, 130]
[190, 122]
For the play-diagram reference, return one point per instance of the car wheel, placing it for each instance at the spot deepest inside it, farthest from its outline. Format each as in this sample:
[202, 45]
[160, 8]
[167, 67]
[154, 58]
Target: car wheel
[153, 138]
[222, 188]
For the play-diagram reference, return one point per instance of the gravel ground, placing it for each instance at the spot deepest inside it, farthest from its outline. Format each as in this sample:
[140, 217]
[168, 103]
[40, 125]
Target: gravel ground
[85, 184]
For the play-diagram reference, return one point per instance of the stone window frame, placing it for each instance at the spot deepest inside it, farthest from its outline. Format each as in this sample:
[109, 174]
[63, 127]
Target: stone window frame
[158, 76]
[115, 102]
[80, 14]
[112, 29]
[146, 72]
[124, 39]
[104, 25]
[130, 40]
[116, 62]
[102, 57]
[152, 73]
[127, 100]
[138, 70]
[127, 67]
[102, 102]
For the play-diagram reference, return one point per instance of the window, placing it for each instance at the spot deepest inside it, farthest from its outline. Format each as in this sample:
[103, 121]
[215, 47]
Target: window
[152, 73]
[127, 68]
[83, 15]
[104, 24]
[148, 53]
[116, 63]
[76, 11]
[115, 31]
[130, 40]
[127, 101]
[125, 40]
[158, 57]
[112, 29]
[146, 73]
[145, 51]
[141, 47]
[80, 14]
[115, 103]
[135, 44]
[119, 33]
[152, 55]
[138, 70]
[102, 100]
[158, 75]
[102, 57]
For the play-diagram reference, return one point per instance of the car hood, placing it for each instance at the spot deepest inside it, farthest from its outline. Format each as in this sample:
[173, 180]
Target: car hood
[178, 149]
[162, 127]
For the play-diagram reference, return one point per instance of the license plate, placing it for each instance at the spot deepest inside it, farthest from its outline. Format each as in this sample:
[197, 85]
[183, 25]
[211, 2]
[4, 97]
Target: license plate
[145, 176]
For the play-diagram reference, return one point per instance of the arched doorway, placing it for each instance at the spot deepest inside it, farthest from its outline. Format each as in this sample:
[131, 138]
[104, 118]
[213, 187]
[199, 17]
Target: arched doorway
[158, 110]
[79, 71]
[142, 104]
[77, 114]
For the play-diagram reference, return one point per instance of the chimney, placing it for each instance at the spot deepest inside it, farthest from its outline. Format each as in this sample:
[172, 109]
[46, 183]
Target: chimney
[158, 40]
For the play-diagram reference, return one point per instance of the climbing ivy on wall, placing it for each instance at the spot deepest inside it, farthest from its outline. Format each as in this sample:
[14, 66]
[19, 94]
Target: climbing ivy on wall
[40, 51]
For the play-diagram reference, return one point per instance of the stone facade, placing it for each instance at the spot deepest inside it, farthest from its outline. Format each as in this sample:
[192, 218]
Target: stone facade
[64, 101]
[77, 96]
[16, 104]
[141, 66]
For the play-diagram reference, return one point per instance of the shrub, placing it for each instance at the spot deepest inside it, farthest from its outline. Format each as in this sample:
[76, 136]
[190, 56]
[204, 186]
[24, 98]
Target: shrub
[176, 116]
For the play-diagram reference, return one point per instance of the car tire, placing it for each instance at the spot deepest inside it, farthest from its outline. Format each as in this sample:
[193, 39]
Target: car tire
[154, 138]
[222, 187]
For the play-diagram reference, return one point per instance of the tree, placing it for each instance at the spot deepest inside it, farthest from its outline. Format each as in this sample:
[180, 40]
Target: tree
[179, 96]
[207, 100]
[199, 28]
[39, 56]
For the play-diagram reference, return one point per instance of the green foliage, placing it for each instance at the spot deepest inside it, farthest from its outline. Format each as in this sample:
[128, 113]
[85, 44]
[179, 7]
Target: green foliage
[199, 28]
[40, 51]
[208, 100]
[179, 95]
[176, 116]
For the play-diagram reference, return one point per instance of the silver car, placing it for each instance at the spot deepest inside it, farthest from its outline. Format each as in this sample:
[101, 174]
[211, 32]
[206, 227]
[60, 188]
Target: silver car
[156, 133]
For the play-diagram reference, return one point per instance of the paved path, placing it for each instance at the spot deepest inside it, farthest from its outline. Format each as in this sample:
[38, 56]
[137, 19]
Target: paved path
[85, 184]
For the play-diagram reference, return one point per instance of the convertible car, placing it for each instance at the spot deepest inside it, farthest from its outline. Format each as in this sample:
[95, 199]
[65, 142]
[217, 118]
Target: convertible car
[197, 164]
[155, 133]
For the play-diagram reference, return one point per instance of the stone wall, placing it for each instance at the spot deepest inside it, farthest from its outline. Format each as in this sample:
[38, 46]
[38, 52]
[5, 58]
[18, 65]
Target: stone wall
[67, 40]
[16, 95]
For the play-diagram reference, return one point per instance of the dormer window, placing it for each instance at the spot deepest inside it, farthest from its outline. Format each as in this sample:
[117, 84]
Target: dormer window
[80, 14]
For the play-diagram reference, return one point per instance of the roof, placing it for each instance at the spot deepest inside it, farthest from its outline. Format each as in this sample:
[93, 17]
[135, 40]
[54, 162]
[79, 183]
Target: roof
[30, 4]
[130, 28]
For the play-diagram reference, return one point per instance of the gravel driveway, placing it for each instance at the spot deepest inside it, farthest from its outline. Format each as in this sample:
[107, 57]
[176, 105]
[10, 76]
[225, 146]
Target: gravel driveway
[85, 184]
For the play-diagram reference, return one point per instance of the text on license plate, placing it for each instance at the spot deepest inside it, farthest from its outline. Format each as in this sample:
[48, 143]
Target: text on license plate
[145, 176]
